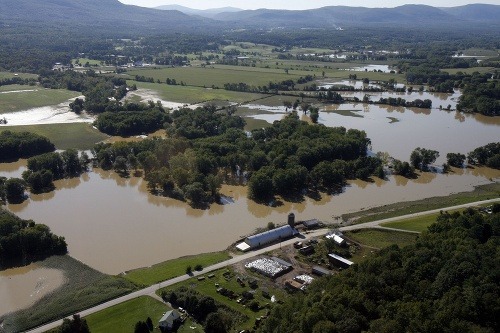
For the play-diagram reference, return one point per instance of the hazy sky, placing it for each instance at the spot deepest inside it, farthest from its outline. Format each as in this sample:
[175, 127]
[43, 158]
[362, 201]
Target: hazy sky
[300, 4]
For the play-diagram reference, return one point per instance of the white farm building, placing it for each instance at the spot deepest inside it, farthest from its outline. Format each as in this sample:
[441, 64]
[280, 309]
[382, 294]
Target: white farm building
[267, 237]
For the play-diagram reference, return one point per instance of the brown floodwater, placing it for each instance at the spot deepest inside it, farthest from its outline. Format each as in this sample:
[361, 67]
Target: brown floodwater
[114, 225]
[399, 130]
[21, 287]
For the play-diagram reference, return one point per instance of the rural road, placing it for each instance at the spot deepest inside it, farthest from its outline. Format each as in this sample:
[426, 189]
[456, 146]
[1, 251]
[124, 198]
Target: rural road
[152, 289]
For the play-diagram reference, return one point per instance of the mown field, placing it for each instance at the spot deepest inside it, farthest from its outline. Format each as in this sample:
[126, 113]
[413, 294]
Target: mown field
[8, 75]
[84, 288]
[380, 238]
[173, 268]
[196, 95]
[211, 76]
[124, 316]
[27, 99]
[80, 136]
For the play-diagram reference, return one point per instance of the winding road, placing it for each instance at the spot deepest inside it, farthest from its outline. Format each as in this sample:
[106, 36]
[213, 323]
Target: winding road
[150, 291]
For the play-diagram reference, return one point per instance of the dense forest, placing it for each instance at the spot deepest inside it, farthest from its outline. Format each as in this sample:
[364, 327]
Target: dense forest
[446, 282]
[22, 241]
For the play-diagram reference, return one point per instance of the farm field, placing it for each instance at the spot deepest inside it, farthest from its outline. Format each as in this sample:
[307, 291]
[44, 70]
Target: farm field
[416, 224]
[9, 75]
[64, 136]
[382, 238]
[124, 316]
[196, 95]
[212, 76]
[17, 98]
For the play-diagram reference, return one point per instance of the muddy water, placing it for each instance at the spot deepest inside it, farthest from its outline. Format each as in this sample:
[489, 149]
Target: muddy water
[14, 169]
[21, 287]
[438, 99]
[399, 130]
[114, 225]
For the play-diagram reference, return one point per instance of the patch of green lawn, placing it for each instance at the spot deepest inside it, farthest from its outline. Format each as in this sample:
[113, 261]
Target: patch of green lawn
[195, 95]
[80, 136]
[419, 224]
[173, 268]
[123, 317]
[10, 75]
[211, 76]
[381, 238]
[32, 98]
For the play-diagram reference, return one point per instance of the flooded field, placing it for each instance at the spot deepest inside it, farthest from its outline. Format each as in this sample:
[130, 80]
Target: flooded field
[114, 225]
[22, 287]
[399, 130]
[56, 114]
[372, 68]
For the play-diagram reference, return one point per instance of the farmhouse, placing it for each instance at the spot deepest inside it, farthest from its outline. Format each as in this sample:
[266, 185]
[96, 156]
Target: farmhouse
[169, 319]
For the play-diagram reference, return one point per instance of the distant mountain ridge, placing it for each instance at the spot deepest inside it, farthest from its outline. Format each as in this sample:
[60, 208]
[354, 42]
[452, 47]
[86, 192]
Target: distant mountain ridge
[98, 13]
[343, 15]
[210, 13]
[102, 15]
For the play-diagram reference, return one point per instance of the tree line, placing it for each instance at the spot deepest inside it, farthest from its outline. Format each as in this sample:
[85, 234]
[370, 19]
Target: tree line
[16, 145]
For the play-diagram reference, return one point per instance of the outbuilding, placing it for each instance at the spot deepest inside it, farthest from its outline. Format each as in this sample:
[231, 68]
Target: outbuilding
[339, 261]
[320, 271]
[267, 237]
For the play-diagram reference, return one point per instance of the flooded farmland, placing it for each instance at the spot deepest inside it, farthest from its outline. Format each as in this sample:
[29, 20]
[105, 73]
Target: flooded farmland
[22, 287]
[114, 225]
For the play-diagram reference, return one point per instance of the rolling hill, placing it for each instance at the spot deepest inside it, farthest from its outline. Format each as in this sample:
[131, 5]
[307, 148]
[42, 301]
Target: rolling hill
[210, 13]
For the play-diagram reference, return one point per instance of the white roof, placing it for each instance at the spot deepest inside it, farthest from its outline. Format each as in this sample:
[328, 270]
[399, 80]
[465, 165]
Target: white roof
[270, 236]
[341, 259]
[243, 247]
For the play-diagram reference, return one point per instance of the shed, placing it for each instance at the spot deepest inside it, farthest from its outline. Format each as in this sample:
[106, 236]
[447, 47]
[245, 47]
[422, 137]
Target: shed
[311, 224]
[340, 261]
[270, 236]
[320, 271]
[337, 239]
[282, 262]
[169, 319]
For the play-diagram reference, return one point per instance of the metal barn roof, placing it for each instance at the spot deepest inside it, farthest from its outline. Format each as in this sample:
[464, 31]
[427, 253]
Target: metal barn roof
[270, 236]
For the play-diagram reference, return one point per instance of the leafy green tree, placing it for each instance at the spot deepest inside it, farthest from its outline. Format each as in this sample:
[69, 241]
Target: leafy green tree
[141, 327]
[121, 165]
[455, 159]
[260, 186]
[149, 322]
[420, 158]
[14, 190]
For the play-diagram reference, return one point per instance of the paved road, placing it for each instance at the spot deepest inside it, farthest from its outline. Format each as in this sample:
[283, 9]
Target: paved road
[152, 289]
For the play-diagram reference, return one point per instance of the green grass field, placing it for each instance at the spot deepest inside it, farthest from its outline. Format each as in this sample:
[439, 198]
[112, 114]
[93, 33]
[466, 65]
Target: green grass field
[381, 238]
[469, 70]
[84, 288]
[195, 95]
[416, 224]
[124, 316]
[173, 268]
[9, 75]
[213, 77]
[16, 101]
[80, 136]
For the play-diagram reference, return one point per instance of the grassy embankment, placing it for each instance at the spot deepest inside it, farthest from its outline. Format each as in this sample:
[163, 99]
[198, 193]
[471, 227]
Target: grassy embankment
[16, 101]
[173, 268]
[484, 192]
[84, 287]
[80, 136]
